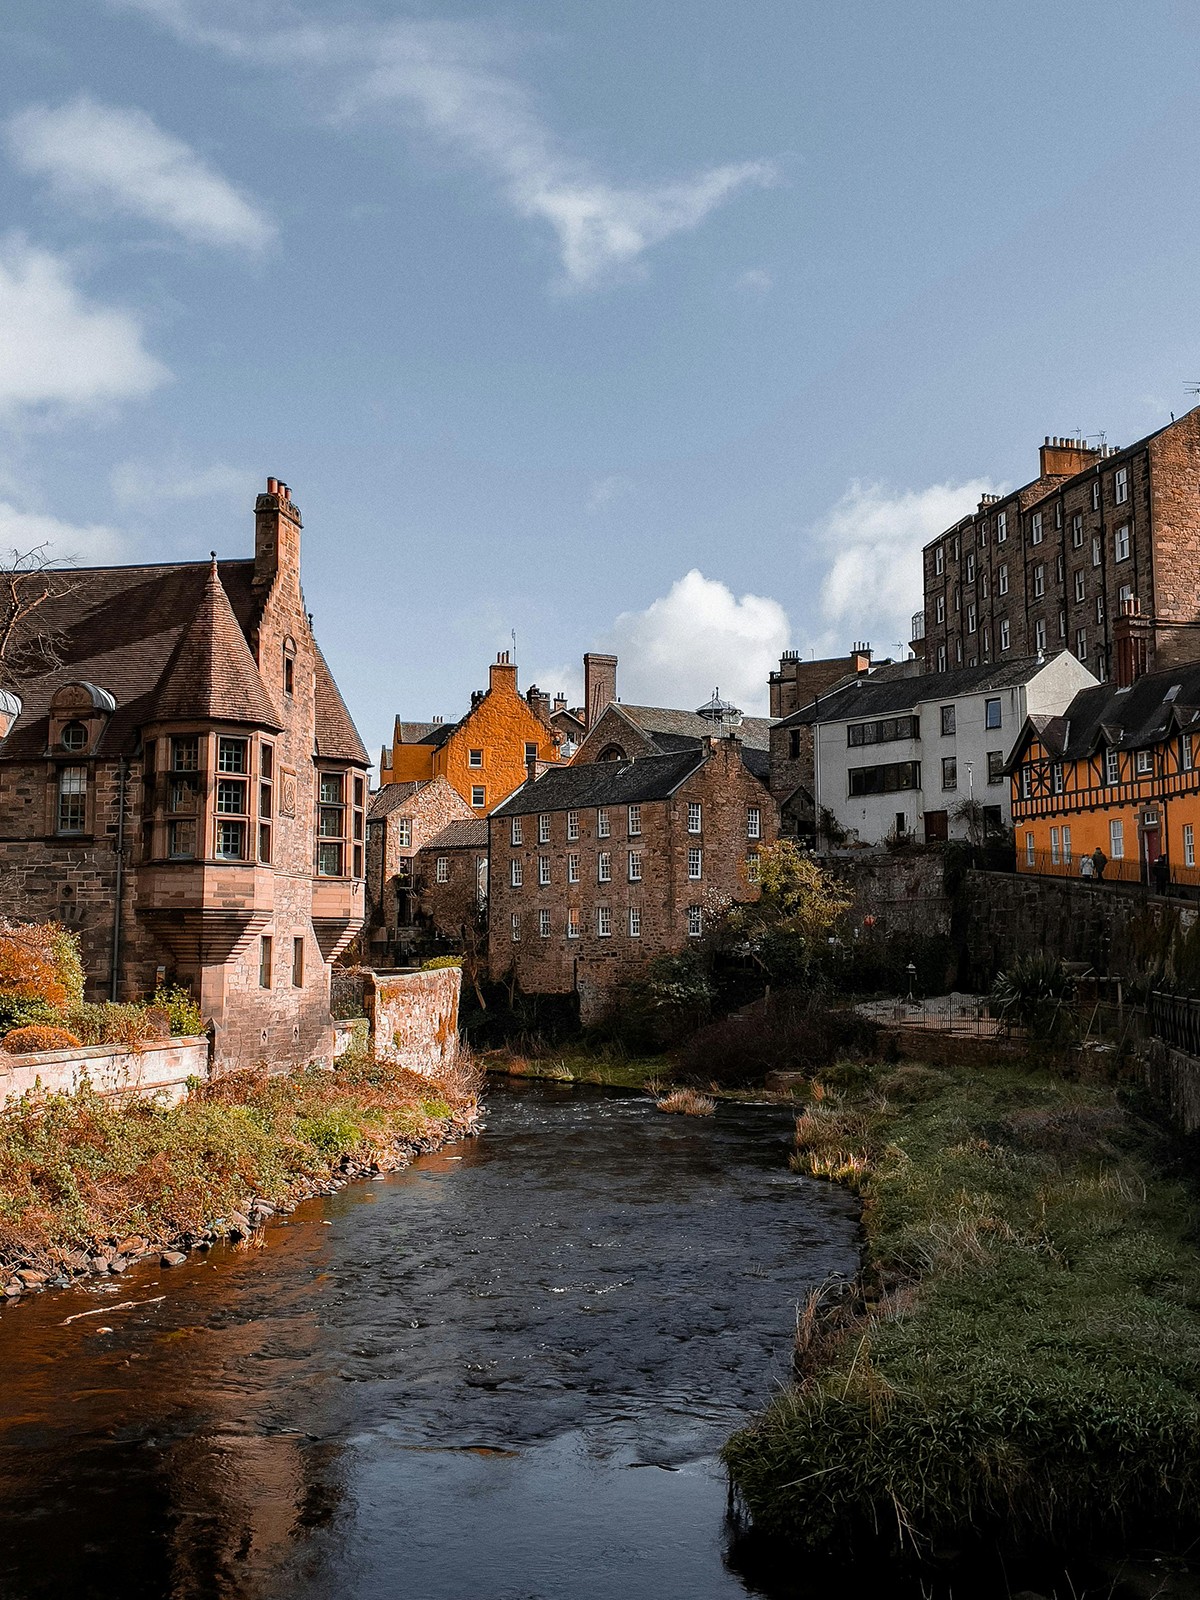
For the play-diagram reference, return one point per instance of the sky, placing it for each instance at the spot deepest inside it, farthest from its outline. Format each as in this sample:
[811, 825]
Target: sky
[669, 329]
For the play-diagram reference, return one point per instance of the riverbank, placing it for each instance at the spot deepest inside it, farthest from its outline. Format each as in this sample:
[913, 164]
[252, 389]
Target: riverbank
[1022, 1356]
[89, 1186]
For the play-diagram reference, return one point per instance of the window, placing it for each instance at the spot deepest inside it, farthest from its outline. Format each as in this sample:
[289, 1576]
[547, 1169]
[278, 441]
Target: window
[1001, 526]
[793, 744]
[264, 961]
[1039, 635]
[949, 772]
[1185, 752]
[1058, 567]
[1066, 843]
[572, 824]
[72, 800]
[1004, 635]
[1099, 608]
[1035, 528]
[634, 821]
[266, 800]
[1079, 588]
[695, 922]
[983, 531]
[1029, 855]
[185, 753]
[230, 842]
[1054, 846]
[941, 658]
[695, 864]
[441, 870]
[694, 817]
[543, 870]
[1121, 543]
[1062, 624]
[604, 867]
[635, 922]
[1039, 580]
[516, 831]
[475, 758]
[331, 824]
[531, 750]
[231, 755]
[957, 598]
[1081, 644]
[516, 874]
[603, 922]
[987, 642]
[1056, 777]
[995, 766]
[602, 829]
[1144, 763]
[1121, 485]
[635, 866]
[297, 963]
[1097, 551]
[882, 731]
[404, 832]
[754, 823]
[515, 927]
[74, 737]
[1002, 578]
[544, 924]
[1116, 839]
[1112, 767]
[181, 839]
[971, 568]
[991, 714]
[573, 868]
[289, 668]
[972, 615]
[1077, 531]
[572, 922]
[885, 780]
[544, 828]
[752, 867]
[1026, 783]
[1124, 595]
[947, 719]
[1058, 514]
[939, 560]
[983, 585]
[1189, 845]
[478, 795]
[940, 608]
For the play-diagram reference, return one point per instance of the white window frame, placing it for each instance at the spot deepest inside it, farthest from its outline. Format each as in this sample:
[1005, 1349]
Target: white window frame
[604, 922]
[754, 822]
[695, 922]
[695, 860]
[573, 867]
[543, 827]
[635, 922]
[544, 923]
[1116, 839]
[1002, 578]
[1121, 486]
[1112, 768]
[1081, 644]
[1066, 842]
[972, 618]
[1036, 534]
[1077, 531]
[1143, 764]
[1005, 633]
[939, 561]
[1054, 854]
[441, 870]
[634, 822]
[1039, 580]
[604, 867]
[478, 794]
[695, 817]
[1121, 543]
[543, 871]
[1001, 526]
[572, 824]
[515, 873]
[572, 922]
[1030, 854]
[1080, 587]
[940, 608]
[515, 831]
[603, 828]
[475, 758]
[635, 866]
[515, 927]
[1039, 634]
[1189, 845]
[403, 833]
[1097, 551]
[1186, 754]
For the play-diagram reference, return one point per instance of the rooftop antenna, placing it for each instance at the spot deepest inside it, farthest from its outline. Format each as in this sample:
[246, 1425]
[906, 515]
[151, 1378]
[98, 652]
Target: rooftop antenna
[1192, 388]
[514, 640]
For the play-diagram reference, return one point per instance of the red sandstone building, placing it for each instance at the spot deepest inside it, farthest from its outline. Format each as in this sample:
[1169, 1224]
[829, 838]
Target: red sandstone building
[1098, 534]
[183, 785]
[403, 819]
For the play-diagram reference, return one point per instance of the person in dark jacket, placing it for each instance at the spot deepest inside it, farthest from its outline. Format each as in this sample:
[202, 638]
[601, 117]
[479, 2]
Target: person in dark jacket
[1099, 861]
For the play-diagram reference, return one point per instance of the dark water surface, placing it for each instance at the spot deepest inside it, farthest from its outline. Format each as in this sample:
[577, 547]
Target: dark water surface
[501, 1373]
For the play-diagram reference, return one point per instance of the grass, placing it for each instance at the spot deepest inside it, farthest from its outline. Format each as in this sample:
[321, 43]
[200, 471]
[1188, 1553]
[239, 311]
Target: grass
[688, 1102]
[1023, 1354]
[610, 1066]
[79, 1168]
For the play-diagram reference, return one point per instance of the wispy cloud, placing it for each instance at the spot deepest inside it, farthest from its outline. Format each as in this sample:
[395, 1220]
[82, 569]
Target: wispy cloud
[447, 79]
[89, 544]
[140, 482]
[113, 158]
[756, 281]
[60, 348]
[615, 486]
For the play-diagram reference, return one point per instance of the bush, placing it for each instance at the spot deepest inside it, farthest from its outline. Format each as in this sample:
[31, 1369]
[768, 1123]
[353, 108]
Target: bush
[38, 1036]
[803, 1038]
[184, 1017]
[665, 1002]
[41, 974]
[112, 1023]
[1037, 992]
[436, 963]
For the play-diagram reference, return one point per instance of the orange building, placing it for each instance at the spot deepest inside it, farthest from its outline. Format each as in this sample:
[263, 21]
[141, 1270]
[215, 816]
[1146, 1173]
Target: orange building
[485, 755]
[1116, 773]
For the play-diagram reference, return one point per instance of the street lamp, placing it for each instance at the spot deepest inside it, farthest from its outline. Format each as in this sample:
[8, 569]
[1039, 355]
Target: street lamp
[912, 981]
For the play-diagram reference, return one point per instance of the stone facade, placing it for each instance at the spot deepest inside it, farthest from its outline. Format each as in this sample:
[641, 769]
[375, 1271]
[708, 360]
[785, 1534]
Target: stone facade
[404, 818]
[159, 1067]
[799, 680]
[452, 882]
[597, 869]
[414, 1018]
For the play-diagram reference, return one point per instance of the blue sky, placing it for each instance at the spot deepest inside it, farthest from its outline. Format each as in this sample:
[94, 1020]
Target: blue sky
[674, 329]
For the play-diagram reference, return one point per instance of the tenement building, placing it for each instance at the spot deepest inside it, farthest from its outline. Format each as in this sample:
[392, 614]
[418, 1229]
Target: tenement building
[597, 867]
[1099, 532]
[403, 818]
[182, 784]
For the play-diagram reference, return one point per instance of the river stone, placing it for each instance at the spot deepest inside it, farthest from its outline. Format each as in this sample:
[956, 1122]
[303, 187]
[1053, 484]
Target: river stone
[98, 1266]
[31, 1279]
[172, 1258]
[134, 1245]
[119, 1264]
[239, 1226]
[12, 1291]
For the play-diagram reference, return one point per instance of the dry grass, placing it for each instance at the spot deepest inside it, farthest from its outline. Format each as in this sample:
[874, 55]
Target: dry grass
[688, 1103]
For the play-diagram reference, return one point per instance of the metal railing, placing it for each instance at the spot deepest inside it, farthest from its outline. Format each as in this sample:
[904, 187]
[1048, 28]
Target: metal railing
[1168, 878]
[1175, 1019]
[966, 1015]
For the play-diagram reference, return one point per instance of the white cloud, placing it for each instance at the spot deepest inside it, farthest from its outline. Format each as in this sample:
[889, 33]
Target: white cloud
[92, 544]
[756, 280]
[107, 156]
[139, 482]
[873, 540]
[697, 637]
[58, 347]
[605, 490]
[444, 78]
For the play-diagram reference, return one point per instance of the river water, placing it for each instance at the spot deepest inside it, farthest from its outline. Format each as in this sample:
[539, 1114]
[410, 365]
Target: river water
[501, 1374]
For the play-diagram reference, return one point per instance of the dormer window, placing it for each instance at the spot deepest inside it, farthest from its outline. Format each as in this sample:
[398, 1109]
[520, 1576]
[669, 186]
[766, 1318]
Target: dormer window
[74, 737]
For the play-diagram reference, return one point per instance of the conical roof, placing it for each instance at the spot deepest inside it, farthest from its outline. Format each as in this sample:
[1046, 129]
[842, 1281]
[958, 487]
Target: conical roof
[211, 674]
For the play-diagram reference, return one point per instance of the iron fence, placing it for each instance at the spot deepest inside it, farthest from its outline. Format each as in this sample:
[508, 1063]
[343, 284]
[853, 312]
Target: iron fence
[1175, 1019]
[1162, 877]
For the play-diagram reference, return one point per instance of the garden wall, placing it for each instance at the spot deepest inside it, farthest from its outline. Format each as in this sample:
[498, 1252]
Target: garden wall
[904, 891]
[161, 1066]
[414, 1017]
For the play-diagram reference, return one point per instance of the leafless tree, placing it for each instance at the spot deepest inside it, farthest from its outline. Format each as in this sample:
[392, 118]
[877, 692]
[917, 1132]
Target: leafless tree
[29, 644]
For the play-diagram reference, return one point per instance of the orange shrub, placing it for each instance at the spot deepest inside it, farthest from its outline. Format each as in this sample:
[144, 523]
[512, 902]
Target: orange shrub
[37, 1036]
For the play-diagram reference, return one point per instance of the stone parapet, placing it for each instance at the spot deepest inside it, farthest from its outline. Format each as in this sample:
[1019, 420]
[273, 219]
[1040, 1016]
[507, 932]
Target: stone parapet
[414, 1017]
[160, 1066]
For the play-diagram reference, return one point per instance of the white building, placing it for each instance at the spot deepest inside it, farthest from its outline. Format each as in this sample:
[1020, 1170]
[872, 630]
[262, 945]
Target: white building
[903, 756]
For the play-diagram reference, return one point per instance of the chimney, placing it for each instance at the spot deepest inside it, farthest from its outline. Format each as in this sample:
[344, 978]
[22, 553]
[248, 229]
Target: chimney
[531, 768]
[502, 674]
[277, 527]
[1063, 458]
[539, 703]
[560, 701]
[599, 686]
[1131, 639]
[860, 658]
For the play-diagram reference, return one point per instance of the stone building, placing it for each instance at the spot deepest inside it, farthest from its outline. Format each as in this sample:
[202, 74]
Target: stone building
[799, 680]
[624, 733]
[597, 867]
[1099, 532]
[483, 755]
[452, 880]
[402, 819]
[183, 786]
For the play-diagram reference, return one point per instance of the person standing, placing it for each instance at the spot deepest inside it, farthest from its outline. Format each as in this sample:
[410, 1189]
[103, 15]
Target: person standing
[1087, 869]
[1099, 862]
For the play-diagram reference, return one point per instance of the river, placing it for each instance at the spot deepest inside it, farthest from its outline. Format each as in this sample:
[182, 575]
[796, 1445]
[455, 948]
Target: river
[501, 1374]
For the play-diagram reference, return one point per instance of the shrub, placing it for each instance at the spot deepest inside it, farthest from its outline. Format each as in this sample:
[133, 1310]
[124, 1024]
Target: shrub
[1037, 992]
[41, 974]
[113, 1023]
[436, 963]
[805, 1037]
[665, 1002]
[913, 1084]
[38, 1036]
[184, 1016]
[688, 1103]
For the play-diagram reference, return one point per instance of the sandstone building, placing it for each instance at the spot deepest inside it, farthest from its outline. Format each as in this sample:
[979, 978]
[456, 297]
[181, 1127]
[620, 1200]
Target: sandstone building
[402, 819]
[1051, 566]
[183, 785]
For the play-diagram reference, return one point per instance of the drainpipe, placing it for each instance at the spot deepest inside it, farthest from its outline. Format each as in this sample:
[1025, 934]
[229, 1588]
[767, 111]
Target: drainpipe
[116, 933]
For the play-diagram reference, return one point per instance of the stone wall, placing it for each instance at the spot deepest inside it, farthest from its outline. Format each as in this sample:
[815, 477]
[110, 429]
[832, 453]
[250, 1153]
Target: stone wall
[1173, 1079]
[162, 1066]
[414, 1017]
[904, 891]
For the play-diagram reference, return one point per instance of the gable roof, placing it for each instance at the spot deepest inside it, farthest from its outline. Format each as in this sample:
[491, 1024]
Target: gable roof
[604, 783]
[661, 723]
[211, 674]
[871, 697]
[1154, 708]
[336, 736]
[434, 733]
[467, 833]
[392, 796]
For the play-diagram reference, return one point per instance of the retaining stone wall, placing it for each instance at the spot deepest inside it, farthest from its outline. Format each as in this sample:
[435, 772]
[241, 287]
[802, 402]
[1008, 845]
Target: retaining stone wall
[414, 1017]
[904, 891]
[162, 1066]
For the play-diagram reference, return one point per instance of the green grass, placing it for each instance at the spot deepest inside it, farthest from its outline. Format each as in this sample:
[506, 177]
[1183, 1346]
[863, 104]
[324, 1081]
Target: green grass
[576, 1064]
[1027, 1354]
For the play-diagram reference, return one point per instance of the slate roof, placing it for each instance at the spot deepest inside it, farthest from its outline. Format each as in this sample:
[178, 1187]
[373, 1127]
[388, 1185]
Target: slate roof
[468, 833]
[1152, 709]
[871, 697]
[604, 783]
[337, 737]
[391, 797]
[434, 733]
[663, 723]
[211, 674]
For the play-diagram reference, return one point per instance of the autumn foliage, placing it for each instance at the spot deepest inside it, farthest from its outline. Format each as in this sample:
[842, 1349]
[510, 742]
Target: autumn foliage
[41, 975]
[37, 1036]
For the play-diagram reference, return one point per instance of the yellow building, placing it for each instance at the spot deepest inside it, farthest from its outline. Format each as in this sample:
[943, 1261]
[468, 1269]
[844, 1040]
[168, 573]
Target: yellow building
[485, 755]
[1115, 782]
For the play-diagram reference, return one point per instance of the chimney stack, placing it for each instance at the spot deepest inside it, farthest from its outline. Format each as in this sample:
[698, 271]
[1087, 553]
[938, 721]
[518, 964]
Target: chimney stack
[1131, 639]
[599, 686]
[277, 527]
[502, 673]
[539, 703]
